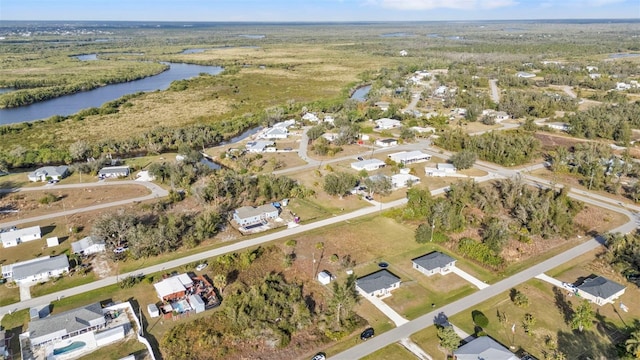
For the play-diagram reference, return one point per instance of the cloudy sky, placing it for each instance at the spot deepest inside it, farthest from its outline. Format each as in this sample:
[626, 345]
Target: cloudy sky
[315, 10]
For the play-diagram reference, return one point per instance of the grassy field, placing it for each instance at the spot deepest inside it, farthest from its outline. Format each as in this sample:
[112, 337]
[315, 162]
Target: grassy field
[391, 352]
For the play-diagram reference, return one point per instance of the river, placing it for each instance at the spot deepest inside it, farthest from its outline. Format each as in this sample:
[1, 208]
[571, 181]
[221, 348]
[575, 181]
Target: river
[71, 104]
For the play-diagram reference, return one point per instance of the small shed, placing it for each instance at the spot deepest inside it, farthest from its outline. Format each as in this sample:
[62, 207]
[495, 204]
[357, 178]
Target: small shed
[196, 303]
[324, 278]
[153, 310]
[52, 241]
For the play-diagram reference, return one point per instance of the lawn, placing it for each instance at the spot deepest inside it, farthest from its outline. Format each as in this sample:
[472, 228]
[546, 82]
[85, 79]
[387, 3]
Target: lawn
[428, 340]
[119, 350]
[391, 352]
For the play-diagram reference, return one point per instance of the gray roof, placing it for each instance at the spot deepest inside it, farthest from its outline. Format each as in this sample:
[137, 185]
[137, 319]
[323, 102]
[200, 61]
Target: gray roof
[114, 170]
[51, 171]
[388, 141]
[600, 287]
[378, 280]
[250, 211]
[72, 320]
[484, 348]
[84, 244]
[39, 267]
[434, 260]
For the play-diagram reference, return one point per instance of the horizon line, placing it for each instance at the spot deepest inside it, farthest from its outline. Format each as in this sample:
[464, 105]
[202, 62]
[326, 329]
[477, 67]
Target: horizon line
[634, 19]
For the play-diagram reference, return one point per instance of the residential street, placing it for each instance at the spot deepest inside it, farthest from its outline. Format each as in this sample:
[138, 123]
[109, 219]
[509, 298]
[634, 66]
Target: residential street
[156, 192]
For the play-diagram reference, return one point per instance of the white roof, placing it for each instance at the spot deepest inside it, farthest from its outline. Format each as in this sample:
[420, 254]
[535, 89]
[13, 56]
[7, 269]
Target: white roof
[365, 163]
[387, 122]
[442, 166]
[9, 236]
[172, 285]
[400, 180]
[408, 155]
[285, 124]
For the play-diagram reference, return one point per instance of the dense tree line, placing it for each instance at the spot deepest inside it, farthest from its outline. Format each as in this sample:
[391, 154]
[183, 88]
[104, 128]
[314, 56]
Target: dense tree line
[507, 148]
[508, 209]
[623, 252]
[612, 122]
[520, 104]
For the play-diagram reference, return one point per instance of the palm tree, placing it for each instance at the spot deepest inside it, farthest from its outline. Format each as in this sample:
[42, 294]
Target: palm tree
[632, 345]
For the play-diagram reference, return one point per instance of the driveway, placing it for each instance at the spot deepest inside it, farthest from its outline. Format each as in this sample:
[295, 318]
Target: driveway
[550, 280]
[384, 308]
[25, 292]
[470, 278]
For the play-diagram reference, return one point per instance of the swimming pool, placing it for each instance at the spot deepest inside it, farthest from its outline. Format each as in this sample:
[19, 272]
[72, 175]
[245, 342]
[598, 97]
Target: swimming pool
[69, 348]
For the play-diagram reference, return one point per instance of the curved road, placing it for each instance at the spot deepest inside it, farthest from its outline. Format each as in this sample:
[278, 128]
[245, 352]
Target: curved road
[156, 192]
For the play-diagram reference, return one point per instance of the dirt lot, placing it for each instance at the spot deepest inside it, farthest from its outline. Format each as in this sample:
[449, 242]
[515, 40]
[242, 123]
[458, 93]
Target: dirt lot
[551, 141]
[27, 204]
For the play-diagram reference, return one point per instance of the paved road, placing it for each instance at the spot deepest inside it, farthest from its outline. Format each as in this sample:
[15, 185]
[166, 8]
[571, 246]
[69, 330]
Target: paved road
[156, 192]
[495, 92]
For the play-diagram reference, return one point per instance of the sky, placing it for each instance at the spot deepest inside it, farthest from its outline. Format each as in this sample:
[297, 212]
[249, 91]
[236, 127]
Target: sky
[316, 10]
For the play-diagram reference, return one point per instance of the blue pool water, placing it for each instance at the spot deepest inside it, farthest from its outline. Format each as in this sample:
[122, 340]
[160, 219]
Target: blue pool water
[71, 347]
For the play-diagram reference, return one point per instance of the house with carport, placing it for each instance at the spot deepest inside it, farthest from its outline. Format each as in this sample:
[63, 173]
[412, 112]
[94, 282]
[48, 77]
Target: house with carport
[434, 263]
[174, 287]
[600, 290]
[387, 124]
[441, 170]
[409, 157]
[403, 180]
[114, 172]
[379, 283]
[386, 142]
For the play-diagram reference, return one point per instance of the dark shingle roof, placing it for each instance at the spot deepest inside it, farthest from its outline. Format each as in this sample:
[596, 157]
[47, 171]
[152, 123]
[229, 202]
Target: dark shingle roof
[600, 287]
[378, 280]
[434, 260]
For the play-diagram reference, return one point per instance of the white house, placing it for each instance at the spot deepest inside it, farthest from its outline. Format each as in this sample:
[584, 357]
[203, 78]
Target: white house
[423, 130]
[409, 157]
[379, 284]
[331, 137]
[174, 287]
[114, 172]
[87, 246]
[600, 290]
[434, 263]
[403, 180]
[14, 237]
[274, 133]
[329, 119]
[49, 173]
[592, 68]
[403, 53]
[259, 146]
[386, 142]
[501, 116]
[40, 269]
[249, 215]
[525, 75]
[441, 170]
[386, 123]
[285, 124]
[310, 117]
[382, 105]
[68, 324]
[557, 126]
[368, 165]
[594, 76]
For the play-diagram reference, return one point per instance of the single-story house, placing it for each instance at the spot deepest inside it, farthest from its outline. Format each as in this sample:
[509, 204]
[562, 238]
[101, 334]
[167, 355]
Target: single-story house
[483, 347]
[441, 169]
[174, 287]
[403, 53]
[379, 283]
[386, 142]
[368, 165]
[591, 68]
[434, 263]
[331, 137]
[595, 76]
[329, 119]
[423, 130]
[525, 75]
[49, 173]
[310, 117]
[285, 124]
[622, 86]
[441, 90]
[557, 126]
[600, 290]
[403, 180]
[259, 146]
[409, 157]
[501, 116]
[274, 133]
[87, 246]
[249, 215]
[40, 269]
[386, 123]
[67, 324]
[14, 237]
[114, 172]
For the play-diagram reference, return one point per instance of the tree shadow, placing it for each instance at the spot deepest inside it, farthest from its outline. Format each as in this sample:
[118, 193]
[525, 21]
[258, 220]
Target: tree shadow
[563, 305]
[311, 303]
[441, 319]
[585, 345]
[8, 187]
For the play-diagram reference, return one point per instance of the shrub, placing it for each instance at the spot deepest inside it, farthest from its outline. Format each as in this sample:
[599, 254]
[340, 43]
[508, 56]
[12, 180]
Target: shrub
[48, 198]
[479, 318]
[480, 252]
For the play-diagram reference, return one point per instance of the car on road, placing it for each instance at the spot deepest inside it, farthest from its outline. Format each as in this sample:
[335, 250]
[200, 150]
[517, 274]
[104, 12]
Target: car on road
[319, 356]
[369, 197]
[367, 334]
[119, 250]
[201, 267]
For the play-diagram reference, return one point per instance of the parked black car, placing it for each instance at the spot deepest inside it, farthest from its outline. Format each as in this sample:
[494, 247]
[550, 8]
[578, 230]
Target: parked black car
[367, 333]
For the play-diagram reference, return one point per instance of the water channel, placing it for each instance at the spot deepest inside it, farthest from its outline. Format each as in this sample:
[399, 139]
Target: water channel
[71, 104]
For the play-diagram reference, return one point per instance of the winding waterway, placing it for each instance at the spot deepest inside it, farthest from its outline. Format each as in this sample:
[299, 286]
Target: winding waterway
[71, 104]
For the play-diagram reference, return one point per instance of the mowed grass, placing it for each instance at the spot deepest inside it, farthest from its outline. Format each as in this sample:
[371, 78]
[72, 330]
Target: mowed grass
[391, 352]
